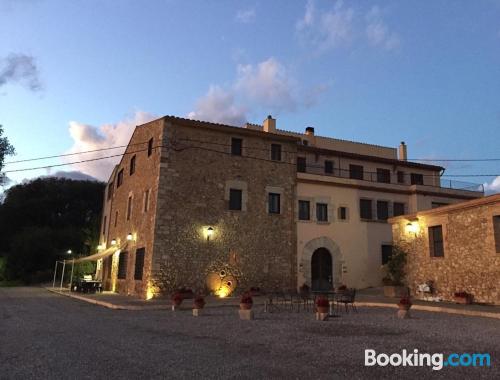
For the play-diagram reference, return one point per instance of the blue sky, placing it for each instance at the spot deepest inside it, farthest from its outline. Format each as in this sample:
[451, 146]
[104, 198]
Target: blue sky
[379, 72]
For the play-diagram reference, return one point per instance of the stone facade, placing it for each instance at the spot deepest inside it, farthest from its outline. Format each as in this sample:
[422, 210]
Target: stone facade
[471, 260]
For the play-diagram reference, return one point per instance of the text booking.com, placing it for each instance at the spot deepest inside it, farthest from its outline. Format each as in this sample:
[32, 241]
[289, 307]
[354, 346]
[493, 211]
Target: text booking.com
[436, 361]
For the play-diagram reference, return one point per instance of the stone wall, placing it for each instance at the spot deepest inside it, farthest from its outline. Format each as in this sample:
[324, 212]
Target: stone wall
[470, 261]
[196, 173]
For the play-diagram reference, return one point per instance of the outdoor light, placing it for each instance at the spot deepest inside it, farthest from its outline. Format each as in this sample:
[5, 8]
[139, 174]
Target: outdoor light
[210, 232]
[412, 228]
[100, 247]
[69, 252]
[113, 242]
[130, 237]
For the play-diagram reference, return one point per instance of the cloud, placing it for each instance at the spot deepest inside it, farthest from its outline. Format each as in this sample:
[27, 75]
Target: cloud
[493, 187]
[267, 85]
[326, 29]
[72, 174]
[88, 137]
[245, 16]
[217, 106]
[20, 68]
[378, 32]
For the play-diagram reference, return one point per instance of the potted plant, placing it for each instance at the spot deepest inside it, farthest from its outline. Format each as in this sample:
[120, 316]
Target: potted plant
[322, 305]
[463, 298]
[176, 299]
[404, 303]
[198, 305]
[394, 281]
[246, 301]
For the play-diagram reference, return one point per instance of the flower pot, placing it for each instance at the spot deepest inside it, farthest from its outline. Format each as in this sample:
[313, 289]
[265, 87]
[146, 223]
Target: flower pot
[322, 309]
[245, 306]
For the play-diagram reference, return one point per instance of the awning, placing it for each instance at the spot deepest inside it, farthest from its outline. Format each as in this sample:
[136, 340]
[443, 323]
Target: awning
[97, 256]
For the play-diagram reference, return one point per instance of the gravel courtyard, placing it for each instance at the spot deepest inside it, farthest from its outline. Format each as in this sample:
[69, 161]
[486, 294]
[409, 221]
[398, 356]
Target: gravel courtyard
[47, 336]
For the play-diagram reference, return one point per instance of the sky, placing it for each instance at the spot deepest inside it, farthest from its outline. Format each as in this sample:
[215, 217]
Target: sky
[79, 75]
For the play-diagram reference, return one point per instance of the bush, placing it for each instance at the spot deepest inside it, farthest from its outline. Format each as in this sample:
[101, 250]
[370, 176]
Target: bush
[396, 267]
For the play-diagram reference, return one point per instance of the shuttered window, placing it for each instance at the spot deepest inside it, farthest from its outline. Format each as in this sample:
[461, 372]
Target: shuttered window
[355, 171]
[382, 210]
[276, 152]
[436, 241]
[321, 212]
[139, 263]
[274, 203]
[399, 208]
[301, 164]
[236, 145]
[365, 209]
[304, 210]
[416, 179]
[383, 175]
[122, 265]
[328, 167]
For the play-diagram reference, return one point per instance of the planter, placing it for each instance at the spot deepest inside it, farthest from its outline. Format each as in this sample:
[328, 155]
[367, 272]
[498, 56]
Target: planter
[463, 300]
[245, 306]
[322, 309]
[395, 291]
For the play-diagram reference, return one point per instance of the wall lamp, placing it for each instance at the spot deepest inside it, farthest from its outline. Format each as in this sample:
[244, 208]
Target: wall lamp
[113, 242]
[130, 237]
[210, 233]
[412, 227]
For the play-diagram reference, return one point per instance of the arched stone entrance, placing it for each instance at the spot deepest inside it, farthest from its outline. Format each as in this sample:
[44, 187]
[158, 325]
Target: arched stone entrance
[322, 244]
[321, 270]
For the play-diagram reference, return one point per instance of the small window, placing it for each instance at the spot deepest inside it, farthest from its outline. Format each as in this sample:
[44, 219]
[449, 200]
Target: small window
[139, 263]
[116, 218]
[386, 253]
[236, 145]
[235, 196]
[146, 200]
[321, 212]
[110, 190]
[416, 179]
[383, 175]
[399, 208]
[365, 209]
[436, 241]
[150, 147]
[343, 213]
[132, 165]
[355, 171]
[496, 232]
[274, 203]
[304, 210]
[276, 152]
[104, 225]
[129, 208]
[401, 177]
[119, 180]
[301, 164]
[122, 265]
[328, 167]
[438, 204]
[382, 210]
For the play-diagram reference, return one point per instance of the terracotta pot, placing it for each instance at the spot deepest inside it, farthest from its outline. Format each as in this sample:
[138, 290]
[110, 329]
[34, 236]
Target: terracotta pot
[322, 309]
[404, 306]
[245, 306]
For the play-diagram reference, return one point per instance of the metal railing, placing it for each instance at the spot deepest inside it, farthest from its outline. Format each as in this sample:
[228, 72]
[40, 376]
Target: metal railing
[396, 178]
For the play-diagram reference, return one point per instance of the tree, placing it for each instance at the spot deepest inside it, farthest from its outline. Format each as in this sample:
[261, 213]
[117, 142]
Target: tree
[6, 149]
[42, 219]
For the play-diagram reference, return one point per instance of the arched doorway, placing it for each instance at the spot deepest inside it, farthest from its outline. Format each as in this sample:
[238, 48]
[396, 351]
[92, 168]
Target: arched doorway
[321, 270]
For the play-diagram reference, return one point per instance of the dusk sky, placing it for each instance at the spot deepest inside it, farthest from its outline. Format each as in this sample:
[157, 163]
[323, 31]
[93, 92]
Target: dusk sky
[79, 75]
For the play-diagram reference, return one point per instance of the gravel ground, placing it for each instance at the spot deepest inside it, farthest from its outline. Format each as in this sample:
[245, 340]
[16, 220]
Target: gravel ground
[47, 336]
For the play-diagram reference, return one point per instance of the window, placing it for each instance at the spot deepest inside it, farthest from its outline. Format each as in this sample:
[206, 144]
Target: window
[116, 218]
[321, 212]
[438, 204]
[129, 208]
[355, 171]
[382, 210]
[305, 142]
[139, 263]
[343, 213]
[386, 253]
[236, 145]
[122, 265]
[399, 208]
[132, 165]
[304, 210]
[328, 167]
[301, 164]
[383, 175]
[150, 147]
[274, 203]
[235, 199]
[146, 200]
[104, 226]
[416, 179]
[401, 177]
[365, 208]
[436, 241]
[496, 232]
[110, 190]
[276, 152]
[119, 180]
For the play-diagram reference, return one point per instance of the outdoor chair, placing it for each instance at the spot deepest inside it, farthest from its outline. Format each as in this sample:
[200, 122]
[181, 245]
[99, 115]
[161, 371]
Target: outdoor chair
[346, 298]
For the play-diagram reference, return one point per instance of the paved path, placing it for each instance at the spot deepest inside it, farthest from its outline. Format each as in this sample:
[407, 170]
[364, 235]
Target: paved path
[46, 336]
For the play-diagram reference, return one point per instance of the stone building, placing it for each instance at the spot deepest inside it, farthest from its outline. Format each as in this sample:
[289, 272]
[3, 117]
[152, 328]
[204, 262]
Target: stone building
[457, 247]
[194, 203]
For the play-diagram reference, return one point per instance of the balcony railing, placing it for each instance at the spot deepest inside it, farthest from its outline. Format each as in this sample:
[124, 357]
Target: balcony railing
[398, 178]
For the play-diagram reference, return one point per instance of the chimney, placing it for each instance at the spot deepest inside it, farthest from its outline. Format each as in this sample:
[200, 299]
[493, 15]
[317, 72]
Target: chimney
[403, 153]
[269, 124]
[310, 131]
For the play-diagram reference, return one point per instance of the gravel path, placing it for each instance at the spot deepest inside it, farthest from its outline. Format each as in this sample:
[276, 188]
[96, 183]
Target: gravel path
[47, 336]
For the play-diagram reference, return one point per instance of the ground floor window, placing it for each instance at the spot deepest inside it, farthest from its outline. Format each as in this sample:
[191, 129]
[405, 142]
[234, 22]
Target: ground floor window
[436, 241]
[122, 265]
[139, 263]
[386, 253]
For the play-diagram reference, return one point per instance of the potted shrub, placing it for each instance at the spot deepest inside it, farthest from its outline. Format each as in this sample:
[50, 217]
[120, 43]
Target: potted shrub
[394, 281]
[246, 301]
[176, 299]
[322, 305]
[463, 298]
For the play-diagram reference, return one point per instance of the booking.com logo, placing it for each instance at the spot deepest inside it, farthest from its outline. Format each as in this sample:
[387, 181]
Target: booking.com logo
[419, 359]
